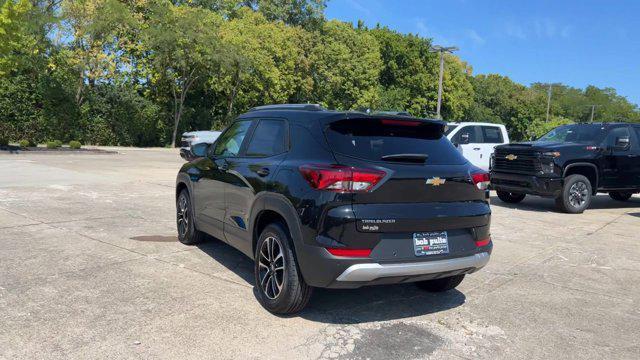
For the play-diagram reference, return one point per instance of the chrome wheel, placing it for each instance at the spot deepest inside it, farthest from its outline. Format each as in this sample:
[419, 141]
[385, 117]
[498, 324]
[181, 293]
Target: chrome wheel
[271, 266]
[578, 194]
[183, 216]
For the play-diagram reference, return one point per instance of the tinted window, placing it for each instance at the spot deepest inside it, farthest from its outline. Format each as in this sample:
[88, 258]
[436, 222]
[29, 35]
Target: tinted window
[491, 135]
[470, 130]
[229, 143]
[268, 139]
[371, 140]
[580, 133]
[617, 133]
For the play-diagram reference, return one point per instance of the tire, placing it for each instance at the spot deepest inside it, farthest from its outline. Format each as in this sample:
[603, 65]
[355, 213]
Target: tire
[187, 232]
[440, 285]
[576, 194]
[509, 197]
[620, 196]
[279, 283]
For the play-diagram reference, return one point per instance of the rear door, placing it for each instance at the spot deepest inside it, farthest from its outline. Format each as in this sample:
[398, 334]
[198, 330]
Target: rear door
[469, 140]
[635, 156]
[618, 167]
[429, 188]
[491, 137]
[251, 173]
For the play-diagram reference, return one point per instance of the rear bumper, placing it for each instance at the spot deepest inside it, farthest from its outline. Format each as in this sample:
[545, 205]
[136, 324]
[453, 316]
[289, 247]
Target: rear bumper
[526, 184]
[374, 271]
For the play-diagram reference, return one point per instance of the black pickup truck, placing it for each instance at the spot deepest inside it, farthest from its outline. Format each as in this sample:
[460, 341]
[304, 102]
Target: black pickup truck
[571, 163]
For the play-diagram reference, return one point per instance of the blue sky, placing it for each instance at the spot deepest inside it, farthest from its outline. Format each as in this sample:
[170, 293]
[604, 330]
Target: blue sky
[578, 43]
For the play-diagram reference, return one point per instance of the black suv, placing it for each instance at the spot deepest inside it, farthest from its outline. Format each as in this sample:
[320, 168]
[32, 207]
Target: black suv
[571, 164]
[322, 198]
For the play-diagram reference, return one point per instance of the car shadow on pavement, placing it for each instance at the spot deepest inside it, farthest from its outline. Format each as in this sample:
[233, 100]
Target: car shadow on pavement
[377, 303]
[540, 204]
[353, 306]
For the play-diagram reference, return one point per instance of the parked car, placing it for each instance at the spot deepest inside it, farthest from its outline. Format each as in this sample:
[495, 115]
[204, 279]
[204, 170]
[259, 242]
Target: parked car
[333, 199]
[195, 137]
[571, 163]
[476, 141]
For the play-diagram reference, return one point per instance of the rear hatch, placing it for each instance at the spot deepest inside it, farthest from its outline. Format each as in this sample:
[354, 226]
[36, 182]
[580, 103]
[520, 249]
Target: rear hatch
[428, 184]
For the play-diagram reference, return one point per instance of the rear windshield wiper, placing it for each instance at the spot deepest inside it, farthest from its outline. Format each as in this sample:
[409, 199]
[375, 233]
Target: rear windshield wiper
[414, 158]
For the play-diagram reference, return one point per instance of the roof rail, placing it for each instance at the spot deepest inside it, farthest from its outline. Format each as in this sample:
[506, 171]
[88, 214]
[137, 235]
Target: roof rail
[307, 107]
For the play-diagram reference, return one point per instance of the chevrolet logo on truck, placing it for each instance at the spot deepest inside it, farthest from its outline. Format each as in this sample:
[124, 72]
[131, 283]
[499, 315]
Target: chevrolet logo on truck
[511, 157]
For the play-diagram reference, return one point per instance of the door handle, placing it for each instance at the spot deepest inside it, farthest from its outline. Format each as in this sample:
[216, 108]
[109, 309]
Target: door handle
[476, 149]
[263, 172]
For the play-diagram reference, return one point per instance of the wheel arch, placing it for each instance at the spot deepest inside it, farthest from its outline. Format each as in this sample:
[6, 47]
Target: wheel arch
[588, 170]
[183, 182]
[270, 208]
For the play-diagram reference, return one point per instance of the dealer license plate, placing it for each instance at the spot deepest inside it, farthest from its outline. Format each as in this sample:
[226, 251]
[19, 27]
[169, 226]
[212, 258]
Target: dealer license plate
[430, 243]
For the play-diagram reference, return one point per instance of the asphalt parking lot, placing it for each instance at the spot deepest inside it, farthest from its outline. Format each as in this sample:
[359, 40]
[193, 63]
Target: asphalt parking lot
[90, 268]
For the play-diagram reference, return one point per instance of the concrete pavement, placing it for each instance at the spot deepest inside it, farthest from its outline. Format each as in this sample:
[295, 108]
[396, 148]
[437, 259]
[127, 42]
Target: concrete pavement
[90, 268]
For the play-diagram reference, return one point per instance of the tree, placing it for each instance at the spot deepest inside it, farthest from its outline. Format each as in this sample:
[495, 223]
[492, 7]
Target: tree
[345, 66]
[184, 47]
[502, 100]
[409, 72]
[265, 64]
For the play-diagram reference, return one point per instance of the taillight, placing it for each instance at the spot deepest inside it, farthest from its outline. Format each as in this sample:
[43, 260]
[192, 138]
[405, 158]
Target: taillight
[349, 252]
[483, 242]
[341, 178]
[481, 180]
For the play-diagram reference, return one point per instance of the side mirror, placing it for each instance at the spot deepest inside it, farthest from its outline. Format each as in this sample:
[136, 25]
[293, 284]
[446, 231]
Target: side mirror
[622, 143]
[199, 150]
[464, 139]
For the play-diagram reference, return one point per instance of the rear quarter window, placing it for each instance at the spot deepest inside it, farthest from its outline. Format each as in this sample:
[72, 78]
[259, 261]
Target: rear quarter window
[492, 135]
[370, 139]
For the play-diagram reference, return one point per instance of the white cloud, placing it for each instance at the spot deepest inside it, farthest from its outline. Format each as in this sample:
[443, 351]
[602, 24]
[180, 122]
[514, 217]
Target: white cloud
[475, 37]
[541, 28]
[566, 31]
[356, 5]
[515, 30]
[425, 31]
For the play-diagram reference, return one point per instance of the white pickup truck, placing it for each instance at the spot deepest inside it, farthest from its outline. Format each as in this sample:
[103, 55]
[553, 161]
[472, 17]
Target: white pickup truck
[195, 137]
[476, 141]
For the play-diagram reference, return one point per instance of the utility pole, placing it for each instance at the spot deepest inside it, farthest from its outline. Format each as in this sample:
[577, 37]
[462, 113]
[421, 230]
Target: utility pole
[441, 50]
[549, 101]
[593, 111]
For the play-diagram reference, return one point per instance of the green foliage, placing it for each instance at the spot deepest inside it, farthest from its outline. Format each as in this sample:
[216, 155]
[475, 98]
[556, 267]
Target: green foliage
[25, 143]
[139, 72]
[346, 65]
[73, 144]
[499, 99]
[4, 141]
[55, 144]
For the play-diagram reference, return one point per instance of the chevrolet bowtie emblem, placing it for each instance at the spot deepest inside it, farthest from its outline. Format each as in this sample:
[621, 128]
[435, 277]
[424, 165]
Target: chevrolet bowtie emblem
[436, 181]
[511, 157]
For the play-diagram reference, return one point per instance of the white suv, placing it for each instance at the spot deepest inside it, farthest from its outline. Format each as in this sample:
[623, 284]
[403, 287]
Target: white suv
[476, 140]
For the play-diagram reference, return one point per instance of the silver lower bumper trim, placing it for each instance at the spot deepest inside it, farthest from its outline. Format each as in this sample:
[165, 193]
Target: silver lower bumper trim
[373, 271]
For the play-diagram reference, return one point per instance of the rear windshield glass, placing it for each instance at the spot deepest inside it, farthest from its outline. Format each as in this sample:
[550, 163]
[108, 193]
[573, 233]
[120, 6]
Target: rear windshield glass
[578, 133]
[372, 140]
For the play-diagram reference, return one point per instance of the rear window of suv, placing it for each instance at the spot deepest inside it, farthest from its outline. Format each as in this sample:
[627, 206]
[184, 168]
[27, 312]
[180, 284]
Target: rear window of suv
[372, 139]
